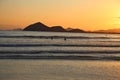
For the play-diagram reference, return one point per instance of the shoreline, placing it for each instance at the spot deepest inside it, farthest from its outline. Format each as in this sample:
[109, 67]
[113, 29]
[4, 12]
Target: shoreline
[68, 32]
[59, 57]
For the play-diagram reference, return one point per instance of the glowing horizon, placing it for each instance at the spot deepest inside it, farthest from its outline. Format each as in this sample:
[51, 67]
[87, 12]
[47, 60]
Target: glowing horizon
[83, 14]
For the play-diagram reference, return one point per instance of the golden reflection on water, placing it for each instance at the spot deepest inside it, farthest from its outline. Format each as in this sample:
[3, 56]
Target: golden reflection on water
[59, 70]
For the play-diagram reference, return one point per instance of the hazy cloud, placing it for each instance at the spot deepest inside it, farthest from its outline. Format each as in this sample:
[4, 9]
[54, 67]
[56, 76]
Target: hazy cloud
[7, 27]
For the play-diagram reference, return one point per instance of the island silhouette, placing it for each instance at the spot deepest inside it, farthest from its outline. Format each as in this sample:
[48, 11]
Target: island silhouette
[38, 26]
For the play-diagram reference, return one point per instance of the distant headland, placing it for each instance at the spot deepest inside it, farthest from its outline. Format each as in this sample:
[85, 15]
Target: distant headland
[42, 27]
[38, 26]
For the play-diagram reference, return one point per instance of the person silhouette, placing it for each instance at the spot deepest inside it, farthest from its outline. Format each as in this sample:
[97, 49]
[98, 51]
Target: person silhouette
[65, 38]
[51, 38]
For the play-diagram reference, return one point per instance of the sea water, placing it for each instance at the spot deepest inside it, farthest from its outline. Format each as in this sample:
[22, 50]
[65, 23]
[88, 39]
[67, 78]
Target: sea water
[27, 55]
[59, 70]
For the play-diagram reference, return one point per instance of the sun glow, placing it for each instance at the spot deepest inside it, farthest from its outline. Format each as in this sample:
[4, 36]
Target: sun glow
[83, 14]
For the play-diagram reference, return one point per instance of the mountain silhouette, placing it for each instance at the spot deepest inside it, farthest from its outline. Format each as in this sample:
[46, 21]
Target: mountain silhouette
[57, 29]
[42, 27]
[37, 27]
[76, 30]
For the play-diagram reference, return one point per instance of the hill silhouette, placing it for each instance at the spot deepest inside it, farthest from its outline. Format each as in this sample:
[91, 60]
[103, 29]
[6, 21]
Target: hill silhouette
[75, 30]
[37, 27]
[42, 27]
[57, 29]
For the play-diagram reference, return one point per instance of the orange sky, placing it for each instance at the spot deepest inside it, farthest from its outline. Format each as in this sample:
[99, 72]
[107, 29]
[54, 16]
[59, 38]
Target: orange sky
[83, 14]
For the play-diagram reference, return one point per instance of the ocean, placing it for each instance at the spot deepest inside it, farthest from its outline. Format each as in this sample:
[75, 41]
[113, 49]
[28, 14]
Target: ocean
[28, 55]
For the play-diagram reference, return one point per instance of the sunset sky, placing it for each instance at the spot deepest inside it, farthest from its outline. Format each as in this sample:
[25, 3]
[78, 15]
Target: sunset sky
[83, 14]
